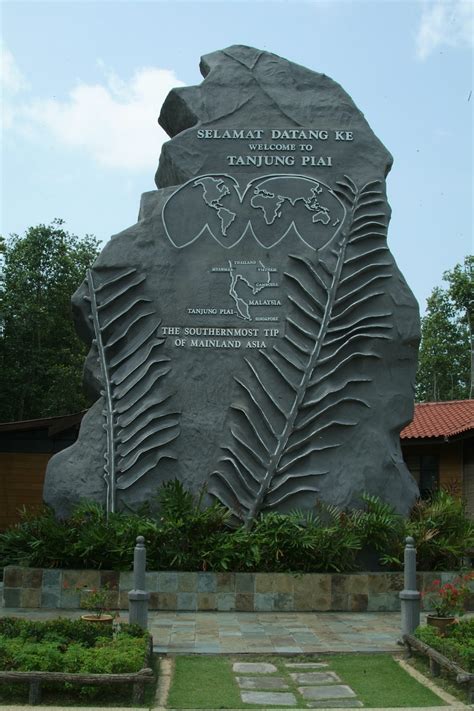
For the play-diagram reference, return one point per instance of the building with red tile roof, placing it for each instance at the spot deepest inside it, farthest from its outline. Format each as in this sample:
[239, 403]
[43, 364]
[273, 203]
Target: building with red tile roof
[438, 447]
[440, 419]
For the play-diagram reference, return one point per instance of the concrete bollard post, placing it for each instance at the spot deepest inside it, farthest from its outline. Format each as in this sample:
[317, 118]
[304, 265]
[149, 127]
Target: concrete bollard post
[409, 596]
[138, 597]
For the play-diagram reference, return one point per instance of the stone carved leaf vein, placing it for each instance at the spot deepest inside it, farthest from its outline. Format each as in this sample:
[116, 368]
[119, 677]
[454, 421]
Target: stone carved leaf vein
[138, 420]
[297, 399]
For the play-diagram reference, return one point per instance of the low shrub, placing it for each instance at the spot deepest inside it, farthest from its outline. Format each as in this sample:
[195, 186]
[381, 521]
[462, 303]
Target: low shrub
[457, 645]
[188, 535]
[115, 536]
[187, 531]
[62, 629]
[39, 540]
[442, 531]
[305, 542]
[70, 646]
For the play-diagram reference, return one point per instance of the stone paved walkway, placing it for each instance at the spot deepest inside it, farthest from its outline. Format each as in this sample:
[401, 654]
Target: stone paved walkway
[264, 632]
[274, 633]
[308, 685]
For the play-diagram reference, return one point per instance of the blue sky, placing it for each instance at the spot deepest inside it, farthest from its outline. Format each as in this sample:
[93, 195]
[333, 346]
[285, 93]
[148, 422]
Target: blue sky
[83, 82]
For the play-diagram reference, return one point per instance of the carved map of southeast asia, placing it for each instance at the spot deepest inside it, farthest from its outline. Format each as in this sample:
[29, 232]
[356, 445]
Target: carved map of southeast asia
[251, 333]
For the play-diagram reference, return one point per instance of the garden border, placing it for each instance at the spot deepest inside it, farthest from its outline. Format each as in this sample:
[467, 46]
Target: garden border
[35, 679]
[438, 660]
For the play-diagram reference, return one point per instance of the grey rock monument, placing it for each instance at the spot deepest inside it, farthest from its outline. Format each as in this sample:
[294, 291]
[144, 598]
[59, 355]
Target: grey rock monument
[252, 331]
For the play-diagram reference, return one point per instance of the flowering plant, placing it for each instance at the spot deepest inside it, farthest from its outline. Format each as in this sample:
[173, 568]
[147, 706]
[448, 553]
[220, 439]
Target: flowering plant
[96, 600]
[448, 599]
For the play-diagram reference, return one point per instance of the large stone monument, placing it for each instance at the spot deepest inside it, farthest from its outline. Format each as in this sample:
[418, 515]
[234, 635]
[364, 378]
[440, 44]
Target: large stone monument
[252, 331]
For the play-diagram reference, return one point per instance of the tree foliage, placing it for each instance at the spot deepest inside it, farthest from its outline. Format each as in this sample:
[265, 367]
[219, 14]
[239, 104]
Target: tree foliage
[461, 292]
[41, 357]
[445, 368]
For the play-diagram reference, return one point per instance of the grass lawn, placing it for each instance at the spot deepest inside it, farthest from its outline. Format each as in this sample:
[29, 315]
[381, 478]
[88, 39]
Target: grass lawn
[204, 682]
[377, 680]
[446, 681]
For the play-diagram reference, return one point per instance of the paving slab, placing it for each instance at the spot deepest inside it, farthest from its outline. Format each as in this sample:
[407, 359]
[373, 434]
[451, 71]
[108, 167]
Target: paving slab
[337, 704]
[281, 633]
[261, 682]
[333, 691]
[268, 698]
[253, 668]
[315, 677]
[306, 665]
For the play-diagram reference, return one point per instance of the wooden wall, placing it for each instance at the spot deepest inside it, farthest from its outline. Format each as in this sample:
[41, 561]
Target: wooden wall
[450, 462]
[451, 465]
[21, 483]
[468, 483]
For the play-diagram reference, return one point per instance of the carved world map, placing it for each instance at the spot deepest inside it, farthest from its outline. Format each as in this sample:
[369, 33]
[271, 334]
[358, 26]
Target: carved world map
[267, 209]
[271, 196]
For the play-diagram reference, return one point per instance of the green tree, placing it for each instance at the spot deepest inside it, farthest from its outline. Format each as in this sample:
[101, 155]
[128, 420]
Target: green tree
[461, 293]
[444, 367]
[41, 358]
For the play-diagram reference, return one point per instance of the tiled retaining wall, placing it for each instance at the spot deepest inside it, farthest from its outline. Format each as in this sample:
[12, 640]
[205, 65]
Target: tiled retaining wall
[261, 592]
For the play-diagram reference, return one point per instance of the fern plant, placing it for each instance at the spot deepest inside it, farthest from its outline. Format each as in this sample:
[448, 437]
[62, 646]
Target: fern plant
[378, 525]
[442, 531]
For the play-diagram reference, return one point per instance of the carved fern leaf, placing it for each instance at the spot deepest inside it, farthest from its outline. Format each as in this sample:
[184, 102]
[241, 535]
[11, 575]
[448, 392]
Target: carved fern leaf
[139, 423]
[298, 398]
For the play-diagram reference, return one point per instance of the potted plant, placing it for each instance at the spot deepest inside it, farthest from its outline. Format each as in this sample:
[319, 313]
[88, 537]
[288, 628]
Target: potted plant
[446, 600]
[96, 600]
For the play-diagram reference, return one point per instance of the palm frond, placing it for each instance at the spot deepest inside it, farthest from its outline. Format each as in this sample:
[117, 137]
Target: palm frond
[298, 400]
[139, 423]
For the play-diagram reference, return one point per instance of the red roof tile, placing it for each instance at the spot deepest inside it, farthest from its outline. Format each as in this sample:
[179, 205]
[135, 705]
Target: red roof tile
[440, 419]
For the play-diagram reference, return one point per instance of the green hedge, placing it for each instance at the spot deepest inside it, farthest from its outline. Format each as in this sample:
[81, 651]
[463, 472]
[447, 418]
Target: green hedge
[186, 535]
[70, 646]
[457, 645]
[64, 631]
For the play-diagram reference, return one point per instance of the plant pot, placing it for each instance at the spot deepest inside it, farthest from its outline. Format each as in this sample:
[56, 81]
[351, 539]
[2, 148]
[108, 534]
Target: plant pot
[441, 623]
[102, 619]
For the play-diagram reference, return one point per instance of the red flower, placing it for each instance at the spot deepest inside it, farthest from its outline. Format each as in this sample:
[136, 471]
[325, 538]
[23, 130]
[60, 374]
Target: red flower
[448, 599]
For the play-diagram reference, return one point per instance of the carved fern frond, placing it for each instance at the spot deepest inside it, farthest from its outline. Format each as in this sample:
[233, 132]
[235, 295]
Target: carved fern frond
[139, 423]
[297, 400]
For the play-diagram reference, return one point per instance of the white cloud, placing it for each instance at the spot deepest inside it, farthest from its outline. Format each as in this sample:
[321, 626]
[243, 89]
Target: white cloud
[114, 122]
[11, 78]
[445, 23]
